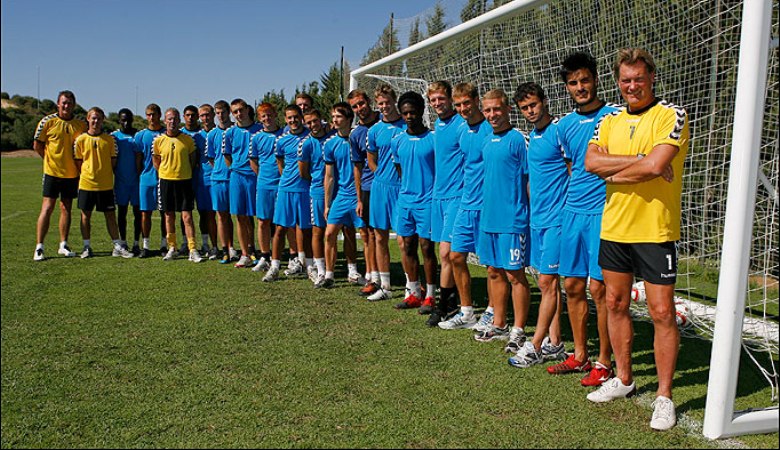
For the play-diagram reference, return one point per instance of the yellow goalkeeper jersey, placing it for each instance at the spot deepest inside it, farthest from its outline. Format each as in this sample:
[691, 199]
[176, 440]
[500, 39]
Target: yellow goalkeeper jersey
[59, 135]
[174, 153]
[95, 154]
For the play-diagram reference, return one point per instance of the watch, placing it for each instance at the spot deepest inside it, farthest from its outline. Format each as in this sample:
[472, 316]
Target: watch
[640, 155]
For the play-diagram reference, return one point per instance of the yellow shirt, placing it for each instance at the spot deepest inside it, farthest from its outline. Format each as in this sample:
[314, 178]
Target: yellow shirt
[174, 153]
[58, 135]
[647, 211]
[96, 153]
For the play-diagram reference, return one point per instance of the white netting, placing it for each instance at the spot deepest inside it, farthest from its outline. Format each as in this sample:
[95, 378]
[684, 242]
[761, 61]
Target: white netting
[696, 47]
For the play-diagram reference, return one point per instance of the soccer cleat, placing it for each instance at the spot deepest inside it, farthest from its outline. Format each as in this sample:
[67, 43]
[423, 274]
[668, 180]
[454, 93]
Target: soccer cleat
[195, 256]
[485, 320]
[243, 262]
[295, 269]
[356, 278]
[86, 253]
[324, 283]
[38, 255]
[311, 271]
[516, 340]
[369, 289]
[552, 352]
[171, 254]
[493, 333]
[379, 295]
[144, 253]
[569, 365]
[664, 415]
[410, 302]
[212, 253]
[458, 322]
[598, 375]
[271, 275]
[225, 258]
[428, 306]
[612, 390]
[66, 252]
[122, 251]
[526, 357]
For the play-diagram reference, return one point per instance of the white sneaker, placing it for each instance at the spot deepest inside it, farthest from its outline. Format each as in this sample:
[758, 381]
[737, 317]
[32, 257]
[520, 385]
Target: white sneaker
[195, 256]
[234, 256]
[38, 255]
[516, 340]
[295, 269]
[171, 254]
[271, 275]
[458, 322]
[259, 266]
[664, 415]
[66, 252]
[87, 253]
[356, 278]
[243, 262]
[123, 252]
[312, 272]
[485, 321]
[380, 294]
[613, 389]
[552, 352]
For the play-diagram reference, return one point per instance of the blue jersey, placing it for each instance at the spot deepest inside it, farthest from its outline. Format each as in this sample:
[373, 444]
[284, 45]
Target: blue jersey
[311, 151]
[235, 143]
[220, 171]
[548, 176]
[505, 199]
[378, 141]
[471, 141]
[449, 158]
[287, 147]
[416, 156]
[261, 148]
[199, 136]
[337, 151]
[143, 145]
[358, 140]
[587, 191]
[126, 172]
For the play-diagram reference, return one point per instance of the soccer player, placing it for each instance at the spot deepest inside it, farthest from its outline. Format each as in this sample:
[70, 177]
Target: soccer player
[386, 185]
[147, 185]
[220, 181]
[53, 141]
[341, 209]
[413, 155]
[640, 152]
[174, 158]
[126, 178]
[202, 196]
[207, 217]
[94, 153]
[582, 215]
[243, 181]
[361, 105]
[293, 203]
[548, 178]
[465, 228]
[304, 101]
[447, 193]
[503, 240]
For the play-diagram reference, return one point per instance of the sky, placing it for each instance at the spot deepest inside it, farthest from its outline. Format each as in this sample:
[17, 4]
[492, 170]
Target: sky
[116, 54]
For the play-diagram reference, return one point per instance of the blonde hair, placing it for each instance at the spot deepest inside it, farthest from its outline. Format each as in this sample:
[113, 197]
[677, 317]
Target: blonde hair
[632, 56]
[497, 94]
[440, 85]
[96, 109]
[465, 89]
[385, 90]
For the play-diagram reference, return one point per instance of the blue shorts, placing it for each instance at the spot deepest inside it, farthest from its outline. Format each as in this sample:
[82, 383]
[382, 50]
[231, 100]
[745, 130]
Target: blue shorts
[243, 194]
[383, 200]
[203, 195]
[443, 214]
[220, 195]
[266, 203]
[318, 210]
[546, 249]
[343, 211]
[503, 250]
[293, 209]
[411, 221]
[126, 195]
[580, 258]
[465, 231]
[147, 198]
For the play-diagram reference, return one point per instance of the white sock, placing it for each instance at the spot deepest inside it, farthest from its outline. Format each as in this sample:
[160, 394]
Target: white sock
[86, 243]
[468, 311]
[302, 258]
[375, 277]
[145, 243]
[63, 244]
[117, 244]
[329, 275]
[309, 262]
[407, 276]
[414, 288]
[385, 279]
[489, 310]
[39, 246]
[275, 264]
[352, 268]
[320, 263]
[431, 290]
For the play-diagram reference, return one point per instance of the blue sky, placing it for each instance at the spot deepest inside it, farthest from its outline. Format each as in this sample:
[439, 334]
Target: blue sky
[176, 52]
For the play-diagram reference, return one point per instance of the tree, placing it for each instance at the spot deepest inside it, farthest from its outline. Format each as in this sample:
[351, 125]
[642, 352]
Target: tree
[415, 35]
[435, 24]
[385, 45]
[472, 9]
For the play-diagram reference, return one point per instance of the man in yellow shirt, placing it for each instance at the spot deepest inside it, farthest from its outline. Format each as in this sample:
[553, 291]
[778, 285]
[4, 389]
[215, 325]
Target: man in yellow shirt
[53, 141]
[94, 154]
[640, 151]
[174, 158]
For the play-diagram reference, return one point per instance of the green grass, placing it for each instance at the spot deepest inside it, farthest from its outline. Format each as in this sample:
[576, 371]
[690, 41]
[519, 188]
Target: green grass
[140, 353]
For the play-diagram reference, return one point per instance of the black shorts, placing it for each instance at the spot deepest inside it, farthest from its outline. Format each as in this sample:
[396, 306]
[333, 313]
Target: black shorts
[365, 197]
[655, 263]
[101, 201]
[175, 195]
[56, 187]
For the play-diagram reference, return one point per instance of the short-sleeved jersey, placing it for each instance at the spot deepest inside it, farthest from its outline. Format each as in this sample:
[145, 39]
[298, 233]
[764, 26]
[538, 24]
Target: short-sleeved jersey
[286, 147]
[126, 172]
[358, 140]
[58, 136]
[449, 157]
[235, 143]
[471, 141]
[144, 140]
[174, 153]
[310, 150]
[199, 137]
[378, 141]
[505, 204]
[587, 191]
[262, 148]
[416, 156]
[95, 154]
[647, 211]
[548, 176]
[337, 152]
[220, 171]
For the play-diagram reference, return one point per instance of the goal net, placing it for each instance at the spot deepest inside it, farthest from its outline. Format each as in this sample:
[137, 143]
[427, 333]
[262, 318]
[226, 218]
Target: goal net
[696, 45]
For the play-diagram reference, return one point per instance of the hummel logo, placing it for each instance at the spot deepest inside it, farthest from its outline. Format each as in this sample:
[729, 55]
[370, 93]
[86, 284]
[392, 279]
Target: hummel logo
[586, 120]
